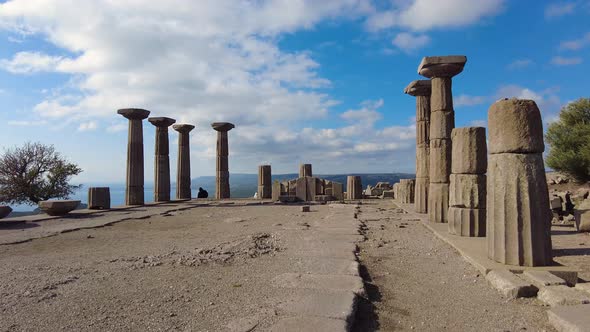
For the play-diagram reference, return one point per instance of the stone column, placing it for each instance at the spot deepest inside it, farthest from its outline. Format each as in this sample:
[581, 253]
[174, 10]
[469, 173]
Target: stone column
[162, 159]
[264, 182]
[440, 69]
[406, 191]
[518, 212]
[222, 176]
[421, 89]
[467, 194]
[354, 187]
[305, 170]
[134, 188]
[183, 171]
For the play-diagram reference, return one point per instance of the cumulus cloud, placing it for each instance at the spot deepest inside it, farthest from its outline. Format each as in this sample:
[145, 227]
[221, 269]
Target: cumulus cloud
[566, 61]
[559, 9]
[421, 15]
[576, 44]
[30, 62]
[466, 100]
[88, 126]
[410, 42]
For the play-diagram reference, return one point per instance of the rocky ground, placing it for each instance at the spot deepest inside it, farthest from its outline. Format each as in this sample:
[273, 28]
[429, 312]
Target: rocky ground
[229, 268]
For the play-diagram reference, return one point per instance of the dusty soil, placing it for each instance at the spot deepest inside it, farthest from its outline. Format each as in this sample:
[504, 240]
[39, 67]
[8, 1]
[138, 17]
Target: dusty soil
[204, 269]
[417, 282]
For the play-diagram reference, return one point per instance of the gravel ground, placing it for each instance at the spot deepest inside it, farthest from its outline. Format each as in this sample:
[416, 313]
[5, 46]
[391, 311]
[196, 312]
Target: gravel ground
[417, 282]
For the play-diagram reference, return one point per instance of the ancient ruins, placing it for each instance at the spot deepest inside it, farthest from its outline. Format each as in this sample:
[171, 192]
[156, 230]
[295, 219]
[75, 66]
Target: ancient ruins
[162, 159]
[183, 172]
[134, 191]
[306, 188]
[222, 175]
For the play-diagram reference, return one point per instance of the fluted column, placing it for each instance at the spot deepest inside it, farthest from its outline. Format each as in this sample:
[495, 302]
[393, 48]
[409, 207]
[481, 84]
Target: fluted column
[421, 89]
[264, 182]
[354, 187]
[440, 69]
[134, 186]
[305, 170]
[162, 159]
[222, 177]
[183, 173]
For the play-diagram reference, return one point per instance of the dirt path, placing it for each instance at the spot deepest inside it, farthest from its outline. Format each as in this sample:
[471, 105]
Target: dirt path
[417, 282]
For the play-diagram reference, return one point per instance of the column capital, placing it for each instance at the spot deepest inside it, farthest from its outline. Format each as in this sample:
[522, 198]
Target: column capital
[183, 128]
[134, 113]
[419, 88]
[161, 121]
[222, 126]
[442, 66]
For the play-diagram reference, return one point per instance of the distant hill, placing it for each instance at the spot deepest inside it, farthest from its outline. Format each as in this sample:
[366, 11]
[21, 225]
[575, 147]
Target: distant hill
[245, 185]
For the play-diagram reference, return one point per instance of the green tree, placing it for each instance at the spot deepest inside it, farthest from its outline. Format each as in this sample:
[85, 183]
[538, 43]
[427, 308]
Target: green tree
[569, 138]
[33, 173]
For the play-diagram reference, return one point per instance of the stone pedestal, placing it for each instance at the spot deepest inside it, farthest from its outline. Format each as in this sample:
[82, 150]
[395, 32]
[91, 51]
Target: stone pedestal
[99, 198]
[518, 211]
[183, 166]
[467, 193]
[305, 170]
[354, 187]
[421, 89]
[222, 176]
[440, 69]
[264, 182]
[134, 188]
[162, 159]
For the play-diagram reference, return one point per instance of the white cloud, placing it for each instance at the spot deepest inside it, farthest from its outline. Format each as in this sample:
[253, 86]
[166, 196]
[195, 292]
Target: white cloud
[88, 126]
[520, 63]
[421, 15]
[26, 123]
[367, 114]
[410, 42]
[576, 44]
[466, 100]
[30, 62]
[566, 61]
[559, 9]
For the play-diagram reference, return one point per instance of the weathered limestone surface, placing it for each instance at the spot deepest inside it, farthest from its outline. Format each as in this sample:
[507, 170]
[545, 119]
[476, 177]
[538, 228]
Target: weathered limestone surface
[510, 285]
[469, 151]
[467, 222]
[135, 176]
[440, 160]
[58, 207]
[264, 182]
[183, 172]
[438, 202]
[337, 191]
[421, 195]
[441, 124]
[222, 177]
[305, 170]
[422, 161]
[162, 159]
[563, 295]
[99, 198]
[519, 227]
[468, 191]
[276, 191]
[354, 187]
[515, 126]
[406, 191]
[571, 318]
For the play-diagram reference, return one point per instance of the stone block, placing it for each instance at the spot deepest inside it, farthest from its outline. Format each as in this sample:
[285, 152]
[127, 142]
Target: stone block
[542, 278]
[407, 191]
[441, 124]
[438, 202]
[306, 208]
[58, 208]
[442, 66]
[338, 192]
[422, 161]
[469, 152]
[562, 295]
[421, 195]
[519, 227]
[276, 191]
[510, 285]
[575, 318]
[387, 194]
[305, 170]
[354, 187]
[301, 189]
[515, 126]
[422, 133]
[555, 203]
[467, 191]
[440, 160]
[99, 198]
[582, 220]
[467, 222]
[584, 287]
[312, 188]
[441, 98]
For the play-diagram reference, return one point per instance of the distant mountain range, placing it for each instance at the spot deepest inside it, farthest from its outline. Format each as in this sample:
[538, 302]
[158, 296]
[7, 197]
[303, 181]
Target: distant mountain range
[245, 185]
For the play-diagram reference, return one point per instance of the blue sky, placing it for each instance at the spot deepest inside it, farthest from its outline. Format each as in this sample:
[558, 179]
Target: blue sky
[303, 80]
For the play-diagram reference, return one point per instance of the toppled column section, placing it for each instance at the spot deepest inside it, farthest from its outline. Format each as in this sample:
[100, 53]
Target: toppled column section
[134, 188]
[421, 89]
[162, 159]
[354, 187]
[518, 213]
[222, 176]
[467, 195]
[264, 182]
[406, 191]
[440, 69]
[305, 170]
[183, 172]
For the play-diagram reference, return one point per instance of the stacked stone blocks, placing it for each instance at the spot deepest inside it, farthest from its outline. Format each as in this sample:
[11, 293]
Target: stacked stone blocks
[183, 172]
[518, 211]
[222, 189]
[162, 158]
[405, 191]
[467, 194]
[354, 187]
[264, 182]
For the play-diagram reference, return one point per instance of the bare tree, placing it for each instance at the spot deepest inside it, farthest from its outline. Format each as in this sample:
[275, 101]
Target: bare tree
[35, 172]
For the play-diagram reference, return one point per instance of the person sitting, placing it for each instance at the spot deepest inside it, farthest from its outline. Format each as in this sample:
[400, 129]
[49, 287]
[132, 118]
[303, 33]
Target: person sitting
[202, 193]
